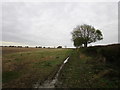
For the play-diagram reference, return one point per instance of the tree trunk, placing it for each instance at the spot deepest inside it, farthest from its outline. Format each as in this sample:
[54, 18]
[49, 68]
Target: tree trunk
[85, 44]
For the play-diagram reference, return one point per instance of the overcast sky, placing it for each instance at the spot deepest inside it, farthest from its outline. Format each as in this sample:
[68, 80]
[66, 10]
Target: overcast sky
[51, 23]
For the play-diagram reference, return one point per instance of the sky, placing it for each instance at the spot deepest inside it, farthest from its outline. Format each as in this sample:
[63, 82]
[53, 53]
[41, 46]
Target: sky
[51, 23]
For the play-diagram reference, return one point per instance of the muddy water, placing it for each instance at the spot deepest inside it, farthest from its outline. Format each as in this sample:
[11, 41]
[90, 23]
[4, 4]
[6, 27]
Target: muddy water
[51, 83]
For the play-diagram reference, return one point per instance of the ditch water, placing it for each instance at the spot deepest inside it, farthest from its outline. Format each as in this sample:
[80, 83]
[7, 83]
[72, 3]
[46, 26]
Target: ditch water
[51, 83]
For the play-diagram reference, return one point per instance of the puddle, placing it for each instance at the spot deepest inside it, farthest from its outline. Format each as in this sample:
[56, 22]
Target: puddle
[51, 83]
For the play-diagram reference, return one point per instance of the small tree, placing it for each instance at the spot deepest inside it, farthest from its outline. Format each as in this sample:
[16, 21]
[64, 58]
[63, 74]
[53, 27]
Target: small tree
[85, 34]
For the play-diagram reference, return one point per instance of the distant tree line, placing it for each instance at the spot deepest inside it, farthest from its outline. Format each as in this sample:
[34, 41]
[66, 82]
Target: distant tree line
[28, 46]
[14, 46]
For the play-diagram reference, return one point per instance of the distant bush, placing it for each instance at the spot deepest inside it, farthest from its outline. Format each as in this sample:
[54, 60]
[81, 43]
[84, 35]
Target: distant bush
[39, 47]
[59, 47]
[26, 47]
[11, 46]
[19, 46]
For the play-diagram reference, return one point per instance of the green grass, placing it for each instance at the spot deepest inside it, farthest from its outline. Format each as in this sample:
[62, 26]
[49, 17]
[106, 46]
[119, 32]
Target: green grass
[75, 74]
[24, 69]
[88, 70]
[10, 75]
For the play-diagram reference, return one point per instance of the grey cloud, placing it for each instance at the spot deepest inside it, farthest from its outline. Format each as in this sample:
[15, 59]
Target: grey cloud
[50, 24]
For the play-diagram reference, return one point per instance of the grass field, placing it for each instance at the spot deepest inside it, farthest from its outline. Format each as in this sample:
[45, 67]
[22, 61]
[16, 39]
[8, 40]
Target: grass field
[23, 67]
[93, 67]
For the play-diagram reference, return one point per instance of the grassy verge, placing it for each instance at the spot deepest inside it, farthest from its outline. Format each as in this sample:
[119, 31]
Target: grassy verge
[87, 69]
[24, 69]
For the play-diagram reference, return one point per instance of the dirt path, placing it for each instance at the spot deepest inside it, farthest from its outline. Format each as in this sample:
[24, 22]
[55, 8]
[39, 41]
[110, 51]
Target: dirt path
[51, 83]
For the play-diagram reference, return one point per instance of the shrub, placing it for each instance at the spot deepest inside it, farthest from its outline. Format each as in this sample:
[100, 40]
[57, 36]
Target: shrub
[110, 52]
[59, 47]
